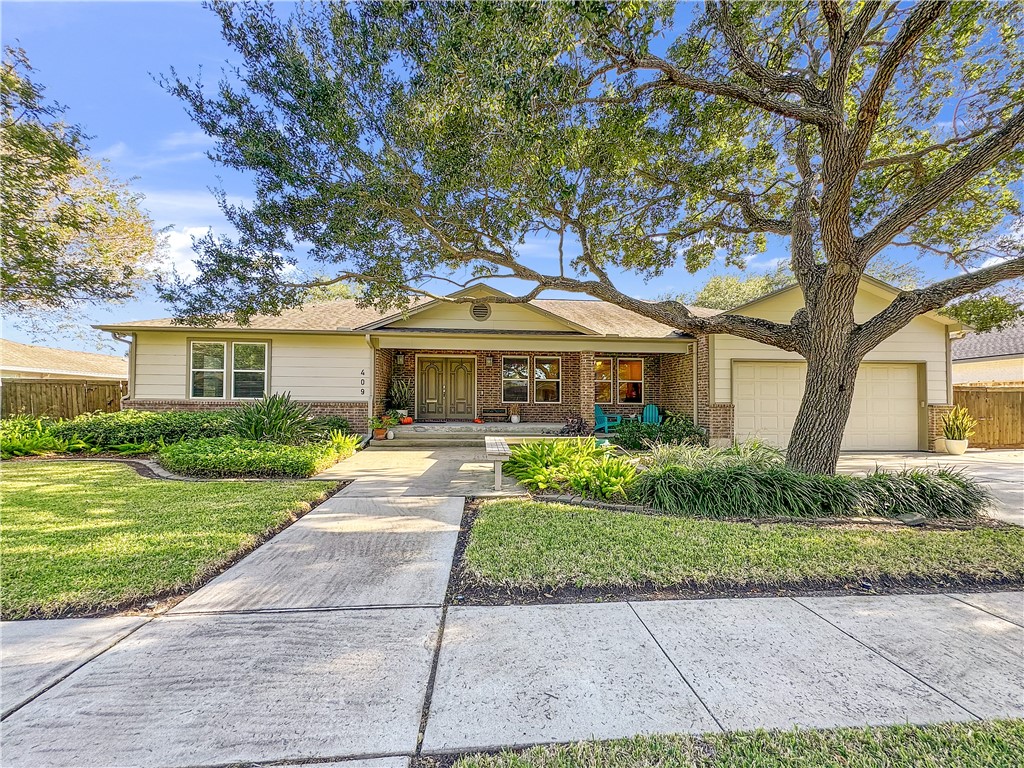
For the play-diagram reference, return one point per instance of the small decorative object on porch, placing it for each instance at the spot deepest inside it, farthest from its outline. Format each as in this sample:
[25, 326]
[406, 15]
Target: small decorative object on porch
[575, 426]
[513, 414]
[391, 434]
[405, 420]
[381, 425]
[957, 428]
[478, 420]
[400, 396]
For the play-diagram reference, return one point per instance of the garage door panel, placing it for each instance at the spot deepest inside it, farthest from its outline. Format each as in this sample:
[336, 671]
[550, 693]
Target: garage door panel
[884, 415]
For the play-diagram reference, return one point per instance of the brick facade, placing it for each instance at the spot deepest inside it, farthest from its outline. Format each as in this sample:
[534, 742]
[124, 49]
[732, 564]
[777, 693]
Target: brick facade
[703, 383]
[577, 377]
[721, 423]
[935, 414]
[383, 366]
[355, 412]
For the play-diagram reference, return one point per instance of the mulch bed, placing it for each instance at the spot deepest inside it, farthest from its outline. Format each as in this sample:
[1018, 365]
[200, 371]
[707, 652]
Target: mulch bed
[465, 590]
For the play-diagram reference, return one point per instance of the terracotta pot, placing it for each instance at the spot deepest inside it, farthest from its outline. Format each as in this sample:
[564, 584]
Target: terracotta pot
[380, 434]
[956, 447]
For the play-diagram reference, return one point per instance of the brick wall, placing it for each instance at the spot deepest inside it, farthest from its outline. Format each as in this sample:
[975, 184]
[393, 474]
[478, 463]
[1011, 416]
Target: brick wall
[703, 384]
[383, 365]
[677, 383]
[721, 424]
[355, 412]
[935, 414]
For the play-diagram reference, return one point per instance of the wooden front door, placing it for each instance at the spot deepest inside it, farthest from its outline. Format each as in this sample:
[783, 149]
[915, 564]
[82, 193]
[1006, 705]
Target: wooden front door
[445, 388]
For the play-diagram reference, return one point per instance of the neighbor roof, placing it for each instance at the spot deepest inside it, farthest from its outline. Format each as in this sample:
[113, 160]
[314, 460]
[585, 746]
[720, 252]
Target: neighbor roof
[31, 358]
[1005, 343]
[345, 315]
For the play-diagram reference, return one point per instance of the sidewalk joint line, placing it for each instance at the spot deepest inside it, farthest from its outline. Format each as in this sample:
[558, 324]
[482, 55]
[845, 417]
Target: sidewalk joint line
[324, 609]
[676, 667]
[300, 761]
[77, 667]
[895, 663]
[983, 610]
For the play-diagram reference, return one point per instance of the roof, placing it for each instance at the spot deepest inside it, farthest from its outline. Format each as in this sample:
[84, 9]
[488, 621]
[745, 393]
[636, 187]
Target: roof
[1004, 343]
[585, 315]
[35, 359]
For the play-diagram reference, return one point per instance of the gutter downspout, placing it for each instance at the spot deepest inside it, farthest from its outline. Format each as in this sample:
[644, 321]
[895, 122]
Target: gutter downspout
[373, 382]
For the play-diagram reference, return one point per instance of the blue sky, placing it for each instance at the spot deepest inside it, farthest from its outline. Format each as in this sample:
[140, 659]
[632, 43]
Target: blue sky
[100, 59]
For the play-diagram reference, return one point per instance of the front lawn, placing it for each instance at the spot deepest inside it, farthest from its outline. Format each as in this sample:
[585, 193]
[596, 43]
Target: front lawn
[992, 744]
[83, 537]
[516, 544]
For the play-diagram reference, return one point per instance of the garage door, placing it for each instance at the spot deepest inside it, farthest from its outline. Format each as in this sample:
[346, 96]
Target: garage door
[884, 416]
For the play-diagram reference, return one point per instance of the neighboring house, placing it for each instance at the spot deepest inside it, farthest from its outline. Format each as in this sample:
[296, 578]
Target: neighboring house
[29, 361]
[550, 357]
[995, 358]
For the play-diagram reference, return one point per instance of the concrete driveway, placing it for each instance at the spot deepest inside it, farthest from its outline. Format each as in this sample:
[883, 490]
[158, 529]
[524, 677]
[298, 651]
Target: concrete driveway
[1002, 472]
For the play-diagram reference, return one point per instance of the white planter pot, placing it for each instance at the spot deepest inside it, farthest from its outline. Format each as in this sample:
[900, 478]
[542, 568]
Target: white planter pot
[402, 411]
[956, 447]
[940, 445]
[514, 418]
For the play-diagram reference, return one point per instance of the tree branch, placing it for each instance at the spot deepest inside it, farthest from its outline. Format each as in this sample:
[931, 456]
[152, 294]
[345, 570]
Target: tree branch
[913, 157]
[993, 149]
[910, 304]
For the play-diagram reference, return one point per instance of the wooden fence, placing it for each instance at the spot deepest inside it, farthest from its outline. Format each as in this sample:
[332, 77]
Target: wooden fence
[1000, 415]
[60, 399]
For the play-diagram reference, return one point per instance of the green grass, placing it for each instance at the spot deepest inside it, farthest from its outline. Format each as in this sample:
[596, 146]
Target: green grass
[991, 744]
[521, 544]
[80, 537]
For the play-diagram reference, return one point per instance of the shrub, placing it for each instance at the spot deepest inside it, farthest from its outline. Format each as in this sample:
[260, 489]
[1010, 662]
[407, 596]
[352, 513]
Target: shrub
[232, 456]
[30, 436]
[751, 453]
[579, 464]
[276, 418]
[959, 424]
[603, 478]
[102, 430]
[676, 429]
[538, 454]
[322, 426]
[740, 490]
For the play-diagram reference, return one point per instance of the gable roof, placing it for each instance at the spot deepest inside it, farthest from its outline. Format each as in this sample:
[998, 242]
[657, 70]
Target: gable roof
[580, 316]
[1003, 343]
[31, 358]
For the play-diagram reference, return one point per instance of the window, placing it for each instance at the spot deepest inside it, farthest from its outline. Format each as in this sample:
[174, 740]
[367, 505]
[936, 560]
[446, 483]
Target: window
[631, 380]
[602, 380]
[207, 368]
[515, 379]
[248, 369]
[547, 380]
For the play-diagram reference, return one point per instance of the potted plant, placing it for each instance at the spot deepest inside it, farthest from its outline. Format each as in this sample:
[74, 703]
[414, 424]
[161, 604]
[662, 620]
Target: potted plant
[513, 414]
[957, 428]
[380, 426]
[400, 397]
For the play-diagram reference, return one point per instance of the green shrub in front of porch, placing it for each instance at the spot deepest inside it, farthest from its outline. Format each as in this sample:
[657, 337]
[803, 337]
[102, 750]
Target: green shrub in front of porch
[231, 456]
[102, 430]
[675, 429]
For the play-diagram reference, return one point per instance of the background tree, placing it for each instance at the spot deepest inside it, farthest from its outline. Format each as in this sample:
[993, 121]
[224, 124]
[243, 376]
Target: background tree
[72, 233]
[404, 143]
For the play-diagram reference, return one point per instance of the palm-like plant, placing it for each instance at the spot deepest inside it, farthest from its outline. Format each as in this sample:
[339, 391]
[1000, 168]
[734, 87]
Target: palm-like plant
[275, 419]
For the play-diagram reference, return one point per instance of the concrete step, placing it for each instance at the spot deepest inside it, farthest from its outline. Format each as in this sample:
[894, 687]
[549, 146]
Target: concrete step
[412, 445]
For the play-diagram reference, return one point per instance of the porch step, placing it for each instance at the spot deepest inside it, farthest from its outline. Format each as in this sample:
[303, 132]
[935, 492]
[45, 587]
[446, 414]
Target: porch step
[432, 439]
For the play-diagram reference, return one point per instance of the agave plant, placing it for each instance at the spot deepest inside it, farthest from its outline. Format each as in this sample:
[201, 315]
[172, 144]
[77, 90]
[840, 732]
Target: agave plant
[959, 424]
[275, 419]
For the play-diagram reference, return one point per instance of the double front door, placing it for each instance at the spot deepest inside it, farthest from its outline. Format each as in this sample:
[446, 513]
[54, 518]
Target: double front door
[445, 387]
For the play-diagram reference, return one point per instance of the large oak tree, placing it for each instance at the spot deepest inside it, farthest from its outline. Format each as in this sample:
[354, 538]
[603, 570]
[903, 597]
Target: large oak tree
[401, 143]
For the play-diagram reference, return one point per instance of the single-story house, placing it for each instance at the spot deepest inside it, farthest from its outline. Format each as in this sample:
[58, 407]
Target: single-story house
[993, 358]
[30, 361]
[550, 358]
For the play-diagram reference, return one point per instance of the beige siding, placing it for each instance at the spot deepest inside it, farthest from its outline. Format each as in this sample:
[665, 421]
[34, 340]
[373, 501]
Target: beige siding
[923, 341]
[985, 371]
[311, 367]
[504, 317]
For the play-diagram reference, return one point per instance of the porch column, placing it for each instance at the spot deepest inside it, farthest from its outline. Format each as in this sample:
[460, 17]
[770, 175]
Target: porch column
[586, 403]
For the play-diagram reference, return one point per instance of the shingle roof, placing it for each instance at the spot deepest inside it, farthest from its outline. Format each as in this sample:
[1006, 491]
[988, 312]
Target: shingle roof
[33, 358]
[344, 314]
[1009, 341]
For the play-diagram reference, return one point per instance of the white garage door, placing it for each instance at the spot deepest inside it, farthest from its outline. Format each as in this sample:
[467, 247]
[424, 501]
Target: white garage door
[884, 416]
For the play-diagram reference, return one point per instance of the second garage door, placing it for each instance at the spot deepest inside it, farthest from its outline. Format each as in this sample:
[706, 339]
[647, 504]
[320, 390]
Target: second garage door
[884, 416]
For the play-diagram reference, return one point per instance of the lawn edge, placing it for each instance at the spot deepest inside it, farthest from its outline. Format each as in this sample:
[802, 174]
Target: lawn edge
[465, 589]
[166, 599]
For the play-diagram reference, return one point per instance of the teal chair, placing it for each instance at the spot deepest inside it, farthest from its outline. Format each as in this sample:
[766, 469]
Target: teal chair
[603, 422]
[650, 415]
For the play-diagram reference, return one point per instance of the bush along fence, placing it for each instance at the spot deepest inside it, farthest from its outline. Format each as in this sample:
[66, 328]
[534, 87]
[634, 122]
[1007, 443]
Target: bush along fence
[60, 399]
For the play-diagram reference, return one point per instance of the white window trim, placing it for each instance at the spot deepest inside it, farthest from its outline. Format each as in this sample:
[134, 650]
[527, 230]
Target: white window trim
[265, 370]
[535, 381]
[641, 381]
[192, 370]
[528, 379]
[610, 380]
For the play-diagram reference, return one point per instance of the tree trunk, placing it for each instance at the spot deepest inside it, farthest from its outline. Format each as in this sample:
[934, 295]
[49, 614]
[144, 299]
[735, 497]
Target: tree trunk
[818, 430]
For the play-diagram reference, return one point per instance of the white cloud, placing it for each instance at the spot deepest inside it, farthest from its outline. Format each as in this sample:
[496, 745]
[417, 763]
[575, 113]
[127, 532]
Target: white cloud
[186, 139]
[184, 207]
[991, 261]
[178, 255]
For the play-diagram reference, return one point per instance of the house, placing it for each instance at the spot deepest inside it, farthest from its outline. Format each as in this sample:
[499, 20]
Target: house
[994, 358]
[29, 361]
[551, 358]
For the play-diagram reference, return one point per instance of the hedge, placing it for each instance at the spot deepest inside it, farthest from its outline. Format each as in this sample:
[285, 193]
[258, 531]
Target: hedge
[130, 426]
[230, 456]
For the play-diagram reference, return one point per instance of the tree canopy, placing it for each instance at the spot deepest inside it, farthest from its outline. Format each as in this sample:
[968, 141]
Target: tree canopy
[410, 145]
[72, 233]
